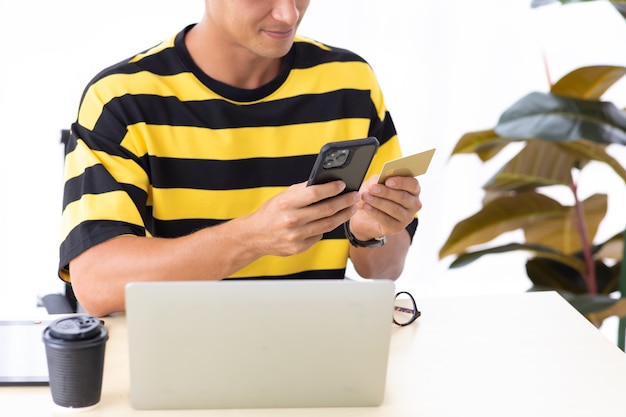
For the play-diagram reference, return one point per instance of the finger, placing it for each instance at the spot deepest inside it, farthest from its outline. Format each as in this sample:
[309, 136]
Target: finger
[327, 224]
[388, 212]
[311, 194]
[378, 195]
[314, 228]
[408, 184]
[324, 215]
[388, 206]
[329, 207]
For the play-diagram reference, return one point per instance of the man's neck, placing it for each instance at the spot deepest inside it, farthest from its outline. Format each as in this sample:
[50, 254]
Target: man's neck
[230, 64]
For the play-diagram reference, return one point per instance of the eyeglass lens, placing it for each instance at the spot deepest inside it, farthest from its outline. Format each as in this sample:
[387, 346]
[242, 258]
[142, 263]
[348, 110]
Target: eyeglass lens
[405, 310]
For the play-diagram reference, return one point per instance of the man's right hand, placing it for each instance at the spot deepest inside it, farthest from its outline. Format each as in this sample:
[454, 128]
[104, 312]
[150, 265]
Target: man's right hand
[292, 221]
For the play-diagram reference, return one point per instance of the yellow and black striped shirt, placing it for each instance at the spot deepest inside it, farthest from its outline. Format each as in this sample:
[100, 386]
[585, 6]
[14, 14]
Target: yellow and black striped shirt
[161, 149]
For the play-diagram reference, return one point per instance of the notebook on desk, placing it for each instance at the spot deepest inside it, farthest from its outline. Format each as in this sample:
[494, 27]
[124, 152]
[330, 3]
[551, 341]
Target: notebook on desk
[258, 344]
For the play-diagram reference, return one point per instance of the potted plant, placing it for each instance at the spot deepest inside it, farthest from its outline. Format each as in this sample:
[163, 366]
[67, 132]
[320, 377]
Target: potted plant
[560, 131]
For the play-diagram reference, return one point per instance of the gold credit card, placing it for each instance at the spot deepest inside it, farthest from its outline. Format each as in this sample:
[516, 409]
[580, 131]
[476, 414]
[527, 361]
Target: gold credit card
[408, 166]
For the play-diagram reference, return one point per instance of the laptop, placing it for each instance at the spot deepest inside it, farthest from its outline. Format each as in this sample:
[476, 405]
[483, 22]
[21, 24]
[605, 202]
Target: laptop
[258, 344]
[22, 352]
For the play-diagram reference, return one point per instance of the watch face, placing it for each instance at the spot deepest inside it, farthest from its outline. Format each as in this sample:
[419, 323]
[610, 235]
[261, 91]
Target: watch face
[374, 243]
[382, 240]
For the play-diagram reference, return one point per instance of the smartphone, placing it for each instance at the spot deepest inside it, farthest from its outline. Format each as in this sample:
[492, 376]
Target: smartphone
[347, 161]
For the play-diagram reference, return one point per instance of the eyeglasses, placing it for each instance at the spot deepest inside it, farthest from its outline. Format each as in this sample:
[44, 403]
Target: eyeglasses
[405, 310]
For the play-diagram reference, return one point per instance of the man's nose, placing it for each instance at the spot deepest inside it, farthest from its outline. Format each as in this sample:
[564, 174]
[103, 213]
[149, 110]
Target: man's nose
[286, 11]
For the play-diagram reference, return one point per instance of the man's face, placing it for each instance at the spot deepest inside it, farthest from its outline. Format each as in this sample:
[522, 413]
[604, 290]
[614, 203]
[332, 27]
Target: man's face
[266, 28]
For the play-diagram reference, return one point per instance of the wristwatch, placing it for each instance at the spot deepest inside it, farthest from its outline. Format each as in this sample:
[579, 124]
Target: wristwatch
[372, 243]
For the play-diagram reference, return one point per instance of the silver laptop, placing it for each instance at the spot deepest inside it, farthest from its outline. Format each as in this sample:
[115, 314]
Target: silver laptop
[258, 344]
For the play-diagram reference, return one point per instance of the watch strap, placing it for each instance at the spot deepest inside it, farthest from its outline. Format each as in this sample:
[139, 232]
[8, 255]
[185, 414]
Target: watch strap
[372, 243]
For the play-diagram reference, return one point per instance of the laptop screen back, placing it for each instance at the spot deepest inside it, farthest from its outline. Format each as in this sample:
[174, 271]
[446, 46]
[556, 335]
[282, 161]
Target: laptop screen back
[258, 344]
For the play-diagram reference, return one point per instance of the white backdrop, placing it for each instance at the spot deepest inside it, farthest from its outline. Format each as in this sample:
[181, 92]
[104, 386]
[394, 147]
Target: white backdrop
[446, 68]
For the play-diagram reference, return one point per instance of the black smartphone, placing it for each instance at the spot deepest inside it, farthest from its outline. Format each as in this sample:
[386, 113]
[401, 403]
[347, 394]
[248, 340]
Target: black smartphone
[347, 161]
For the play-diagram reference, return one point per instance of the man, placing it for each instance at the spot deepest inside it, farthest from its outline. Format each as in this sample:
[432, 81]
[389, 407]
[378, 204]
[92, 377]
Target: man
[189, 162]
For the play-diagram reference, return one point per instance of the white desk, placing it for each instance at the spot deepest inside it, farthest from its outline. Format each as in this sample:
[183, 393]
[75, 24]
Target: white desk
[513, 355]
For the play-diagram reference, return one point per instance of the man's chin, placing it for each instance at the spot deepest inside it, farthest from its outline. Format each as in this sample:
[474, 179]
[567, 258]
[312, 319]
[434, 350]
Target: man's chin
[275, 53]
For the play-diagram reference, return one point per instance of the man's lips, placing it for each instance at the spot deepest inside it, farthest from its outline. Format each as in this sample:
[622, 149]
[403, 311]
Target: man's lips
[279, 33]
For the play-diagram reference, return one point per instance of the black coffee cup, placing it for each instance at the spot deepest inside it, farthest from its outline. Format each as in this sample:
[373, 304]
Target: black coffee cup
[75, 354]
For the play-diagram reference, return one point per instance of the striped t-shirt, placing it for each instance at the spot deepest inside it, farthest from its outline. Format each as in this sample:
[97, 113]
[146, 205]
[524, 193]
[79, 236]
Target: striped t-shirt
[161, 149]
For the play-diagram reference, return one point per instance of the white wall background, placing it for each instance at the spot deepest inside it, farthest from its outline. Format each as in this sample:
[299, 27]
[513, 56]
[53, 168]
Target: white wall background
[446, 68]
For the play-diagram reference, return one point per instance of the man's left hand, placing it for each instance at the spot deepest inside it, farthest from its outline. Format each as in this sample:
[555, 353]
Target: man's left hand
[385, 209]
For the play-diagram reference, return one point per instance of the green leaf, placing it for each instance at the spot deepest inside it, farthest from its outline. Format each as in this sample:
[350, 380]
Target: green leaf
[620, 5]
[597, 307]
[539, 3]
[588, 83]
[547, 273]
[557, 118]
[542, 163]
[586, 150]
[538, 164]
[538, 250]
[612, 248]
[485, 143]
[501, 215]
[554, 274]
[589, 303]
[561, 232]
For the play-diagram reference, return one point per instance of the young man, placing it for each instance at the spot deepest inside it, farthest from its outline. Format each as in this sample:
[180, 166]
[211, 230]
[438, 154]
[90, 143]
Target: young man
[189, 162]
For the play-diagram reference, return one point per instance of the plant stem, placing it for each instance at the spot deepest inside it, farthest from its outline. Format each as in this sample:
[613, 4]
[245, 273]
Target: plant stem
[590, 273]
[546, 68]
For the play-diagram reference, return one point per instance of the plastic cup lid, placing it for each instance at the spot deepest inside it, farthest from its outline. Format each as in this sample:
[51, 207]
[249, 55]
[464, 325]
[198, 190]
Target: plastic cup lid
[81, 327]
